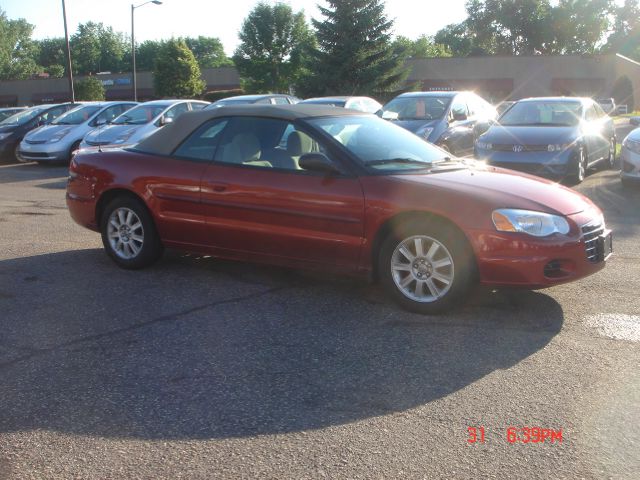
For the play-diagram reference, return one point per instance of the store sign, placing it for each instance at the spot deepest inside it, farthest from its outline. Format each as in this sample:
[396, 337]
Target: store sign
[123, 81]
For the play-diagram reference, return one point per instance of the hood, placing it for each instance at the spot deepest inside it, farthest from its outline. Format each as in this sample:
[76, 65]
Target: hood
[534, 135]
[415, 125]
[110, 133]
[504, 188]
[634, 135]
[44, 133]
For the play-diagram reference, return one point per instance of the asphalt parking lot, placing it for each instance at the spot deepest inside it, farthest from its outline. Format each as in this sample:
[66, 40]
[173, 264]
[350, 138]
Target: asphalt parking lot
[201, 368]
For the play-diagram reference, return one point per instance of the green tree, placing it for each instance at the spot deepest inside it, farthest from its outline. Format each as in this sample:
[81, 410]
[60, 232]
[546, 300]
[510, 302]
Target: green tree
[579, 25]
[112, 50]
[208, 51]
[271, 53]
[625, 35]
[85, 49]
[355, 55]
[18, 52]
[422, 47]
[55, 71]
[176, 72]
[456, 38]
[51, 51]
[88, 89]
[146, 54]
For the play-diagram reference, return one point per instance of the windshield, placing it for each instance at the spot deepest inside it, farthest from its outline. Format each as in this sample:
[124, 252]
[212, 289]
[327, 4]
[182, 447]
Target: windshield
[416, 108]
[551, 114]
[140, 115]
[381, 145]
[22, 117]
[77, 115]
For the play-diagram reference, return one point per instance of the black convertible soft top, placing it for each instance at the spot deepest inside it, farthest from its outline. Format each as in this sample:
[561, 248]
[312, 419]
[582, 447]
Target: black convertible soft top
[168, 138]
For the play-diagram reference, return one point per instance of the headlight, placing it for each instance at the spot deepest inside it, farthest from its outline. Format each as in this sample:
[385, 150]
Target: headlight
[558, 147]
[632, 145]
[538, 224]
[4, 135]
[484, 145]
[425, 133]
[56, 139]
[122, 138]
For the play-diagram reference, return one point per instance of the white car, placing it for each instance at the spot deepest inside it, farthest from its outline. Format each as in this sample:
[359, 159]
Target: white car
[630, 158]
[140, 122]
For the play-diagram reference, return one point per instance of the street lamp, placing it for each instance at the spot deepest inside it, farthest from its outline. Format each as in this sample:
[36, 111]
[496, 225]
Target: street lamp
[133, 45]
[66, 41]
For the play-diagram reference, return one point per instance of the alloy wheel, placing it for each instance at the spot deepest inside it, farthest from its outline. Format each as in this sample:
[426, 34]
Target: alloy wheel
[125, 233]
[422, 268]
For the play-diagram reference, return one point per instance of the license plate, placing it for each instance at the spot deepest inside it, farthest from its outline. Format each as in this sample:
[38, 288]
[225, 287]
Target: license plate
[605, 245]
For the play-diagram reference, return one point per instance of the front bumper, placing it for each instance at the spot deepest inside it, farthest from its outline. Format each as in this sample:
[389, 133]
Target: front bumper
[42, 152]
[520, 260]
[543, 164]
[630, 165]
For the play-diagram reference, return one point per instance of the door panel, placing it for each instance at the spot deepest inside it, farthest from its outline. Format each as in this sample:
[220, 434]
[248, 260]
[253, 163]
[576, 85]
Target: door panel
[286, 214]
[257, 199]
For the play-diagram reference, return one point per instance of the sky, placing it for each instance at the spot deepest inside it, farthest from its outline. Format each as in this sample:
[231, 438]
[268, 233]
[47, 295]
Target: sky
[212, 18]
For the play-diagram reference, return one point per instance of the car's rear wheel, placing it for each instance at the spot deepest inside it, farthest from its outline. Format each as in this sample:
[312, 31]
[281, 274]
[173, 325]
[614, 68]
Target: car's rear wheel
[129, 235]
[579, 166]
[426, 269]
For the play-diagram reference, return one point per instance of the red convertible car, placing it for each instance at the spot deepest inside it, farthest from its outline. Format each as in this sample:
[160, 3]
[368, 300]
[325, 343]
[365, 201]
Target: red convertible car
[315, 186]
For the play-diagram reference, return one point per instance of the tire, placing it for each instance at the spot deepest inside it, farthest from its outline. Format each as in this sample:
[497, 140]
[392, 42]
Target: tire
[426, 269]
[610, 161]
[75, 147]
[129, 234]
[579, 166]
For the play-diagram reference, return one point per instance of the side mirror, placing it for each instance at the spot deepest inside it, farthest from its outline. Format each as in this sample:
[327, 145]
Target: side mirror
[317, 162]
[101, 121]
[634, 120]
[387, 115]
[165, 121]
[459, 116]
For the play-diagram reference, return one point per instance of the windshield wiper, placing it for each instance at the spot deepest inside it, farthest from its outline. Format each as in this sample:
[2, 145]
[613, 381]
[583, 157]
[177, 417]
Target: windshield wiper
[399, 160]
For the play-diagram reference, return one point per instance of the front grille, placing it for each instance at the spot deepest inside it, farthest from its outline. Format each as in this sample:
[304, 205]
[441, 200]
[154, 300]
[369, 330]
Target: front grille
[534, 168]
[33, 154]
[499, 147]
[590, 234]
[35, 142]
[96, 144]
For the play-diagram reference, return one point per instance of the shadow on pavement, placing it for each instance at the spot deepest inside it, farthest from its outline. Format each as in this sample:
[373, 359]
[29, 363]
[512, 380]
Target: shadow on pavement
[201, 348]
[23, 172]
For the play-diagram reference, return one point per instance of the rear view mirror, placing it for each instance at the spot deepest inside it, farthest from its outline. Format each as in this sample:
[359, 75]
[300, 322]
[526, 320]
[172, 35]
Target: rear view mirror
[317, 162]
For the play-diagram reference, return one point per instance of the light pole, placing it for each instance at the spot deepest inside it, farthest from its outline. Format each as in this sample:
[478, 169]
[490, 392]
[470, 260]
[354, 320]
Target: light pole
[66, 39]
[133, 46]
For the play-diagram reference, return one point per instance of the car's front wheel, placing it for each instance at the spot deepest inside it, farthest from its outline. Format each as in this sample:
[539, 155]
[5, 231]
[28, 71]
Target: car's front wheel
[128, 233]
[427, 269]
[611, 158]
[579, 166]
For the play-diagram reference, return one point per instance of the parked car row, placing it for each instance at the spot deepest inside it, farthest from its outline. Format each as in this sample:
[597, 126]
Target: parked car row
[53, 133]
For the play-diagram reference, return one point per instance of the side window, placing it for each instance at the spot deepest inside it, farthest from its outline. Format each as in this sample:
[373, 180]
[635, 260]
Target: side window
[264, 101]
[281, 101]
[265, 143]
[51, 115]
[197, 106]
[201, 144]
[177, 110]
[459, 107]
[109, 114]
[600, 112]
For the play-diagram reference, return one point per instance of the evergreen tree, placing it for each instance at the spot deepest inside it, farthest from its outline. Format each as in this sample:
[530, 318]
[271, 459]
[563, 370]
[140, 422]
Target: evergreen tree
[355, 55]
[176, 72]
